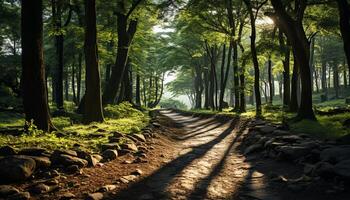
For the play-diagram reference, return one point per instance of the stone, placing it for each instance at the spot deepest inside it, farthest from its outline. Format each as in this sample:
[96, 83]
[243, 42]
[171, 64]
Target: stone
[16, 168]
[253, 148]
[114, 146]
[280, 132]
[336, 154]
[67, 196]
[113, 139]
[139, 137]
[292, 152]
[73, 169]
[127, 179]
[19, 196]
[6, 190]
[67, 160]
[324, 169]
[137, 172]
[94, 196]
[92, 161]
[66, 152]
[155, 124]
[289, 138]
[7, 151]
[267, 129]
[129, 147]
[117, 134]
[343, 169]
[107, 188]
[110, 154]
[83, 154]
[33, 151]
[40, 188]
[42, 162]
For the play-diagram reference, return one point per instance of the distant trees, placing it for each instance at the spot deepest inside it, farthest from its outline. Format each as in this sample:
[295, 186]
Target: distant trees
[33, 71]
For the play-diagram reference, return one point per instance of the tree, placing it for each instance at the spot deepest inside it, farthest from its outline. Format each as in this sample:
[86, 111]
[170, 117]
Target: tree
[33, 71]
[93, 100]
[294, 30]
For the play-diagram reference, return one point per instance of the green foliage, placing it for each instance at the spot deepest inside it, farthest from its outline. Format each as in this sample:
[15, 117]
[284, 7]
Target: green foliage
[122, 110]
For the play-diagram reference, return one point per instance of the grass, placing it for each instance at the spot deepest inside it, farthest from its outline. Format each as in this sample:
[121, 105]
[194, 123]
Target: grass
[128, 120]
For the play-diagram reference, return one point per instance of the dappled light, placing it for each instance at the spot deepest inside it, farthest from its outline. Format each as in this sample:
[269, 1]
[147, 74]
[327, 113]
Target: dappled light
[175, 99]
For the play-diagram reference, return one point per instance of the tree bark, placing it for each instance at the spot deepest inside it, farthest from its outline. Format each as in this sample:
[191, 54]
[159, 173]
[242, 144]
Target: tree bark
[344, 21]
[284, 48]
[301, 48]
[125, 36]
[138, 90]
[33, 71]
[93, 100]
[293, 106]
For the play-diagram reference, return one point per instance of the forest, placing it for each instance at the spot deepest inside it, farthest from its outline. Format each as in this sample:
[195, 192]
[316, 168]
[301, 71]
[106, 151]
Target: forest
[175, 99]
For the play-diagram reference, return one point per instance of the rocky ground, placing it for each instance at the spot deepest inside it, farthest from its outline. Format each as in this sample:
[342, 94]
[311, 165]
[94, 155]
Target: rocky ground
[185, 157]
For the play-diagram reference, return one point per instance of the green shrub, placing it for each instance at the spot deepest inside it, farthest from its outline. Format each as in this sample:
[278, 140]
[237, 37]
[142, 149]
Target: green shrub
[122, 110]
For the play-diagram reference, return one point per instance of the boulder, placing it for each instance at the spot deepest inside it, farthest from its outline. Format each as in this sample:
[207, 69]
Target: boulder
[139, 137]
[336, 154]
[40, 188]
[6, 190]
[92, 161]
[66, 152]
[94, 196]
[292, 152]
[19, 196]
[130, 146]
[67, 196]
[42, 162]
[33, 151]
[253, 148]
[7, 151]
[110, 154]
[114, 146]
[67, 160]
[107, 188]
[289, 138]
[16, 168]
[343, 169]
[280, 132]
[117, 134]
[73, 169]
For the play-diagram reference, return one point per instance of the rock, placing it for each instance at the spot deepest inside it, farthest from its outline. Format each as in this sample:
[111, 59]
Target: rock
[41, 161]
[117, 134]
[345, 140]
[336, 154]
[324, 169]
[107, 188]
[110, 154]
[40, 188]
[67, 196]
[155, 124]
[139, 137]
[292, 152]
[137, 172]
[19, 196]
[113, 139]
[67, 160]
[7, 151]
[253, 148]
[343, 169]
[6, 190]
[308, 169]
[127, 162]
[129, 147]
[280, 132]
[127, 179]
[267, 129]
[92, 161]
[114, 146]
[73, 169]
[83, 154]
[94, 196]
[33, 151]
[66, 152]
[289, 138]
[16, 168]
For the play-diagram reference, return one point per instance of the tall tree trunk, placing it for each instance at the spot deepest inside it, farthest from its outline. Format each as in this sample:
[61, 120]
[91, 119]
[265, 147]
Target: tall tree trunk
[286, 69]
[33, 71]
[198, 84]
[311, 62]
[336, 79]
[138, 90]
[269, 69]
[344, 21]
[255, 58]
[324, 75]
[128, 83]
[79, 73]
[293, 106]
[345, 75]
[125, 36]
[93, 100]
[206, 89]
[222, 79]
[73, 82]
[297, 37]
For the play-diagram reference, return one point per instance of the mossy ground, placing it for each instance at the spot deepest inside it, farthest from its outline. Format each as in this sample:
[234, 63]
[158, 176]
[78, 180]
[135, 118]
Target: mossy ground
[122, 118]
